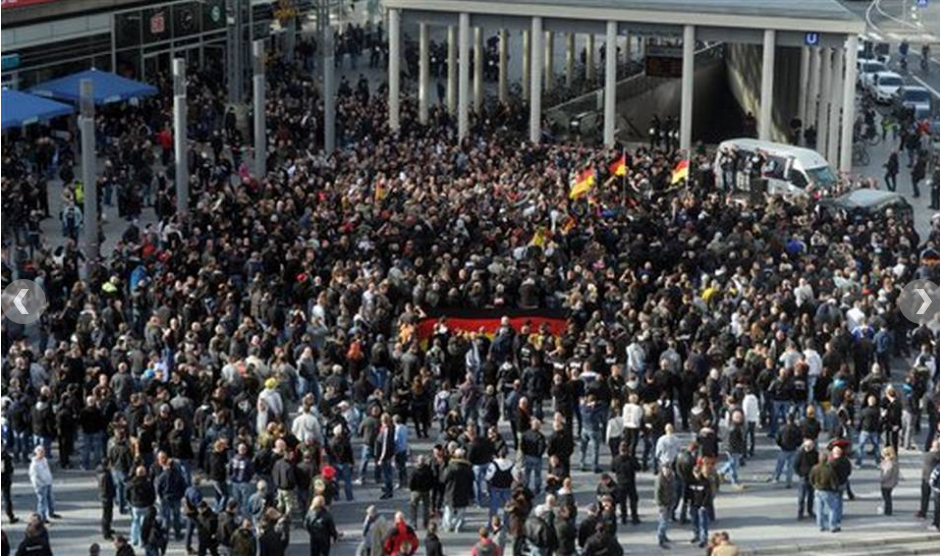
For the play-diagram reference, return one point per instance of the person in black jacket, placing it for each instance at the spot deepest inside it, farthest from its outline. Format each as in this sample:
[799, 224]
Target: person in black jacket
[432, 543]
[421, 484]
[789, 439]
[7, 482]
[284, 476]
[533, 446]
[341, 457]
[539, 534]
[218, 473]
[458, 490]
[566, 532]
[321, 528]
[561, 444]
[153, 533]
[701, 494]
[869, 427]
[106, 492]
[141, 496]
[625, 466]
[207, 530]
[806, 457]
[35, 542]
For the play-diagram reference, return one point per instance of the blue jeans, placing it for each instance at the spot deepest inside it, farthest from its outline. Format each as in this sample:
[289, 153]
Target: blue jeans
[388, 486]
[730, 467]
[700, 523]
[345, 473]
[221, 495]
[663, 524]
[171, 515]
[825, 503]
[23, 442]
[91, 450]
[498, 499]
[593, 438]
[806, 498]
[479, 482]
[864, 438]
[533, 473]
[137, 522]
[453, 518]
[242, 492]
[120, 488]
[785, 459]
[778, 413]
[366, 456]
[45, 503]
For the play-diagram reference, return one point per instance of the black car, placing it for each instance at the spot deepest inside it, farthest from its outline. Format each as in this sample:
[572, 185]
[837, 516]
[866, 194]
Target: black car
[863, 203]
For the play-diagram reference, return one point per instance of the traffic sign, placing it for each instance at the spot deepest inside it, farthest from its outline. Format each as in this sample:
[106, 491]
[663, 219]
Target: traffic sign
[921, 3]
[10, 62]
[811, 39]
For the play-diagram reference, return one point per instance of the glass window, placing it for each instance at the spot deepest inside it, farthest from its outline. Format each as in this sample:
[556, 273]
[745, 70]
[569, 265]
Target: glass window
[187, 19]
[213, 15]
[157, 24]
[127, 29]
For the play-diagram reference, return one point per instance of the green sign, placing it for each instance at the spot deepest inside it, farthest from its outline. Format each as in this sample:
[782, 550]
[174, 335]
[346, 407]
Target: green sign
[9, 62]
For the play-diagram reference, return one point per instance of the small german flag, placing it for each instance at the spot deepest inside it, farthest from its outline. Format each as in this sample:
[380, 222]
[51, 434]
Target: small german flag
[681, 171]
[583, 182]
[568, 224]
[619, 166]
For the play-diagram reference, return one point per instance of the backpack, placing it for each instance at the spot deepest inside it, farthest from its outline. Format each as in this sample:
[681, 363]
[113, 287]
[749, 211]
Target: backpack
[441, 403]
[935, 479]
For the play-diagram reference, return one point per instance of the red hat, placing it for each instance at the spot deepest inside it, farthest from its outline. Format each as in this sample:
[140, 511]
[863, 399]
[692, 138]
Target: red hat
[329, 472]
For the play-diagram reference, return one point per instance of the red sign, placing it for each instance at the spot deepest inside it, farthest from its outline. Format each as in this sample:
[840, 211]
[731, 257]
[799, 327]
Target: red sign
[22, 3]
[157, 24]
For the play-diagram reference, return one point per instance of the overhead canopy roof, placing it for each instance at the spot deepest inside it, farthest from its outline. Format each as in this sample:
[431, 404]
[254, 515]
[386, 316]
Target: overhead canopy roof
[791, 15]
[19, 109]
[108, 87]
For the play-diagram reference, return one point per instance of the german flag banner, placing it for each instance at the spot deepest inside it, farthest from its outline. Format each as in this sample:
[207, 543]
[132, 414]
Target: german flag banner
[681, 171]
[488, 321]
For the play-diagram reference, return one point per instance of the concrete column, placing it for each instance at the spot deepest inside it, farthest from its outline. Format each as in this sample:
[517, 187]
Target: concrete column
[477, 68]
[688, 87]
[86, 123]
[569, 60]
[549, 59]
[812, 98]
[503, 65]
[610, 83]
[451, 69]
[766, 119]
[804, 88]
[463, 79]
[589, 70]
[290, 39]
[235, 49]
[848, 103]
[627, 50]
[825, 93]
[261, 135]
[424, 71]
[180, 152]
[835, 111]
[329, 85]
[394, 67]
[535, 94]
[526, 63]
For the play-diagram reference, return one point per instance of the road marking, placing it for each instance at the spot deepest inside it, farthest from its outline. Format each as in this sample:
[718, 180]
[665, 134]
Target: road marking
[923, 83]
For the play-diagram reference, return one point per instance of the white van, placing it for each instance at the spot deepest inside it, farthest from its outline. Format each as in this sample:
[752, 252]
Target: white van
[790, 171]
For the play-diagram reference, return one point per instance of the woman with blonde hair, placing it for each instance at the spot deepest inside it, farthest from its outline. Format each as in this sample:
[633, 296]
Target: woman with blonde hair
[890, 475]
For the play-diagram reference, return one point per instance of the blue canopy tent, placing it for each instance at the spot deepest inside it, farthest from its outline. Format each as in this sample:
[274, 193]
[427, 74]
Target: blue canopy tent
[19, 109]
[108, 87]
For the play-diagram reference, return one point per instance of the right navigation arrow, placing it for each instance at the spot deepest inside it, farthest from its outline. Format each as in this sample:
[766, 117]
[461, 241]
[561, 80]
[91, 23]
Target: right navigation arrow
[923, 295]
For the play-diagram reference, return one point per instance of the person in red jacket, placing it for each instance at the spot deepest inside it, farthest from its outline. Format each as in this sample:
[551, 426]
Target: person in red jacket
[401, 539]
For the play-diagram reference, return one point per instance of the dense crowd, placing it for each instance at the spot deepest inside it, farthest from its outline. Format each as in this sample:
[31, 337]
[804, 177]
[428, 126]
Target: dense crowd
[267, 346]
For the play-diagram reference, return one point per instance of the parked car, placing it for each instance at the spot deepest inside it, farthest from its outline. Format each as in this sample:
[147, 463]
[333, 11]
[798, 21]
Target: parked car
[884, 86]
[864, 203]
[790, 171]
[867, 69]
[916, 98]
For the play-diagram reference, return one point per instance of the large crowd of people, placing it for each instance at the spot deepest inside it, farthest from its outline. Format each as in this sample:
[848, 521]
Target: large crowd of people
[231, 374]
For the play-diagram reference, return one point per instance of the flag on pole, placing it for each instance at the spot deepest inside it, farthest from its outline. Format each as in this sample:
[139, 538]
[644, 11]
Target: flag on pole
[583, 183]
[619, 166]
[681, 171]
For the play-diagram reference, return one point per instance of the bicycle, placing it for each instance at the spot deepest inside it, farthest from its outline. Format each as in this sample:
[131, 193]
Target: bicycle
[860, 154]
